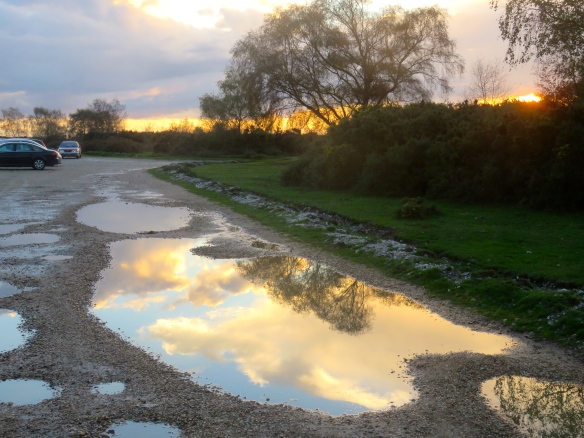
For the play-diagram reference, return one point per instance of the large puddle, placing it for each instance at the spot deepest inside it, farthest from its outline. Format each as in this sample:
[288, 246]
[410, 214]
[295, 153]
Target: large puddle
[274, 329]
[26, 392]
[131, 218]
[11, 336]
[538, 407]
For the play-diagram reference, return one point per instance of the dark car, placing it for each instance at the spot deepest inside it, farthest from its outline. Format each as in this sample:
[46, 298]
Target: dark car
[70, 148]
[16, 152]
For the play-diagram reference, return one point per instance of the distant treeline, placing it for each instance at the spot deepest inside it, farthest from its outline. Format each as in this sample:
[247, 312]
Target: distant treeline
[216, 142]
[521, 153]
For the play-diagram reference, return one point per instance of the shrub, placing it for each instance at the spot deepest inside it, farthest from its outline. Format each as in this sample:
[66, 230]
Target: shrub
[416, 208]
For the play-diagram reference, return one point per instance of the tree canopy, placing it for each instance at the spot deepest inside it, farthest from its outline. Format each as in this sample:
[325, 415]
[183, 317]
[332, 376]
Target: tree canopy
[100, 116]
[551, 31]
[332, 57]
[13, 123]
[241, 100]
[48, 124]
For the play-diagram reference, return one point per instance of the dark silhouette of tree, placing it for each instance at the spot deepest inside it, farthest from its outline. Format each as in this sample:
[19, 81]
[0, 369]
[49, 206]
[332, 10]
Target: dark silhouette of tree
[332, 57]
[100, 116]
[48, 124]
[242, 102]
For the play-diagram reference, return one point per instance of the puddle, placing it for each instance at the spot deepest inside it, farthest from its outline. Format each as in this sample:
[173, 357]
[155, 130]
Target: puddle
[538, 407]
[28, 239]
[12, 337]
[26, 392]
[11, 228]
[131, 218]
[7, 290]
[112, 388]
[274, 329]
[57, 258]
[133, 429]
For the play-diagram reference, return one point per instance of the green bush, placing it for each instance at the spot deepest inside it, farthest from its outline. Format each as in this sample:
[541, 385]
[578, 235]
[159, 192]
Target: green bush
[517, 153]
[416, 208]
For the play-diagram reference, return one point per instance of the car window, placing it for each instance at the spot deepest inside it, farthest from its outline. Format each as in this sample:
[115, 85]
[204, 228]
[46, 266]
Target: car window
[24, 148]
[8, 147]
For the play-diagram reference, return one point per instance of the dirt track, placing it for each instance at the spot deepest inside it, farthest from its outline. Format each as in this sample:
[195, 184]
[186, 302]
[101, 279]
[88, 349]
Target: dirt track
[73, 350]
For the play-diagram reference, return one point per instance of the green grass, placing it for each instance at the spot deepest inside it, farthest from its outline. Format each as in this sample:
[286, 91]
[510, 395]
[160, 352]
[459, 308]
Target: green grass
[495, 243]
[537, 245]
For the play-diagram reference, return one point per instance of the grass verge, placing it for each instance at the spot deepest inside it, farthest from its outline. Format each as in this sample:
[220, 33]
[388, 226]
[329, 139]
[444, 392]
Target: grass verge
[512, 254]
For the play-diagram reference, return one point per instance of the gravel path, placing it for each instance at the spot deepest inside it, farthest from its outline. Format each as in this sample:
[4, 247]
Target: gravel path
[73, 350]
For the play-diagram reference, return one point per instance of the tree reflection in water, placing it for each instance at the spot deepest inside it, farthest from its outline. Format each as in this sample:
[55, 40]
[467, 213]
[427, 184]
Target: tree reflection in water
[540, 409]
[311, 287]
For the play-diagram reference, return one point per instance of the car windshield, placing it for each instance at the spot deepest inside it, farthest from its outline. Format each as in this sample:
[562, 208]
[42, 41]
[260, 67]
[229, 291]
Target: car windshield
[69, 144]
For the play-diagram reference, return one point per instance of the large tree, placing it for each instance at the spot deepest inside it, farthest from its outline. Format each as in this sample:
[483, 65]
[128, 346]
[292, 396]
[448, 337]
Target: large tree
[242, 101]
[46, 123]
[332, 57]
[551, 31]
[100, 116]
[14, 123]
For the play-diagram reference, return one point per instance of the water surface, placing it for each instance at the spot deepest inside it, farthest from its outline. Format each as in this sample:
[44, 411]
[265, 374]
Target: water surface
[132, 429]
[11, 228]
[28, 239]
[274, 329]
[538, 407]
[26, 392]
[131, 218]
[11, 336]
[7, 290]
[111, 388]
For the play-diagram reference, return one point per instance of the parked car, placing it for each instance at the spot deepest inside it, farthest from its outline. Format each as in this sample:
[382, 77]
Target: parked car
[21, 152]
[36, 140]
[70, 148]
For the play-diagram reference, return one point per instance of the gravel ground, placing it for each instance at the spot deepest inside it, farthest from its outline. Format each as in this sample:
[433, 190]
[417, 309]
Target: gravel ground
[73, 350]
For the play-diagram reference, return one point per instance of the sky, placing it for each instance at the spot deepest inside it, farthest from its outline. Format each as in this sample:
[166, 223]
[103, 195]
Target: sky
[159, 56]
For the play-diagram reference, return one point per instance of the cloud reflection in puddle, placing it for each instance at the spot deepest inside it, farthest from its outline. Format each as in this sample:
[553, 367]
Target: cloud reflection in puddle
[282, 329]
[131, 218]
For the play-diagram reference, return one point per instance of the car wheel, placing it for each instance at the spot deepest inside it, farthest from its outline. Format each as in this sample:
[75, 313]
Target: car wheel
[38, 164]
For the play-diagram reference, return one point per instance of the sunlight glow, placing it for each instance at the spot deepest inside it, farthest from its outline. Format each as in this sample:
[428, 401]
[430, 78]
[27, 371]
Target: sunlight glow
[161, 124]
[202, 15]
[526, 98]
[529, 98]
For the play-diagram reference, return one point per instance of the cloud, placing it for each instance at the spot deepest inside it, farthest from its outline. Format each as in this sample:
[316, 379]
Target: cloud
[65, 54]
